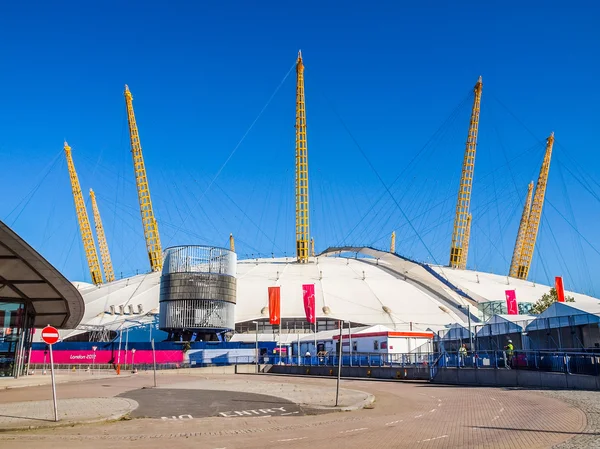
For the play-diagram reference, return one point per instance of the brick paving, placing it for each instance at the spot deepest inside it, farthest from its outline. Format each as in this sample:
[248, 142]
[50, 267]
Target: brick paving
[404, 415]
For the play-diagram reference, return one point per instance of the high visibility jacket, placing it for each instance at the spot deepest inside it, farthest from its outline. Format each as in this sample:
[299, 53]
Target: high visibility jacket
[509, 349]
[462, 351]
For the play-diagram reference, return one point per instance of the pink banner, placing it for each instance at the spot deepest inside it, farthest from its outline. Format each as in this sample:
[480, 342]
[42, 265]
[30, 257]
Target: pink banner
[511, 302]
[308, 291]
[106, 357]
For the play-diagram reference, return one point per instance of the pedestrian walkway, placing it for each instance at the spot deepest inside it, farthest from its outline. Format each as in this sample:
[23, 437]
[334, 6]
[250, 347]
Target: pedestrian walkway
[36, 414]
[61, 377]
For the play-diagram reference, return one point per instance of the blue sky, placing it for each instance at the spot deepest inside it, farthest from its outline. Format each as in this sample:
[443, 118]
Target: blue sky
[384, 74]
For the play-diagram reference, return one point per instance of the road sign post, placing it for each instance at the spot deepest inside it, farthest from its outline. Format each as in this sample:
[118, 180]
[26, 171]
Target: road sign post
[50, 336]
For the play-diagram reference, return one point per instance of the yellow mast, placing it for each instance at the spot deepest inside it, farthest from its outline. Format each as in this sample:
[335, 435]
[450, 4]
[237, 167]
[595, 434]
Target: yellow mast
[84, 223]
[302, 222]
[109, 273]
[514, 263]
[461, 233]
[535, 216]
[231, 243]
[393, 243]
[150, 226]
[467, 239]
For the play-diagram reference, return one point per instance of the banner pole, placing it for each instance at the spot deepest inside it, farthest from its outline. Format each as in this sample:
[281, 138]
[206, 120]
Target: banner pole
[315, 335]
[350, 340]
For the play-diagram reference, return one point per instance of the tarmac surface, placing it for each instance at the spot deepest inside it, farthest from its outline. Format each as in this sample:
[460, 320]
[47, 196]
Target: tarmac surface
[404, 415]
[165, 403]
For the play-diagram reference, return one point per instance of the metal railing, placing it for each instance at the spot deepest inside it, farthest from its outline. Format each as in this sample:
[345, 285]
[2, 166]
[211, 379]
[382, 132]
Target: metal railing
[586, 363]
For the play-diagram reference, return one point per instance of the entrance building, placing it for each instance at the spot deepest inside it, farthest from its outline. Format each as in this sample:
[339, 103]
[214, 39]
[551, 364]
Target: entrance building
[33, 294]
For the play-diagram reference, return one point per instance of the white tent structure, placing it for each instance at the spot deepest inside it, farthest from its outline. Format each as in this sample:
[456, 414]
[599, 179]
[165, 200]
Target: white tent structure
[563, 325]
[496, 332]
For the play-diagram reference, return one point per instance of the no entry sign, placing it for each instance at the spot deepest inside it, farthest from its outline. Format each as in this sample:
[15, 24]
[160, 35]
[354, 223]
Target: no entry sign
[50, 335]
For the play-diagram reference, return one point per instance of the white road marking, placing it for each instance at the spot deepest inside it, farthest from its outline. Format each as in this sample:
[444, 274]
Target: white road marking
[440, 404]
[418, 416]
[354, 430]
[502, 409]
[431, 411]
[493, 399]
[291, 439]
[392, 422]
[432, 439]
[260, 411]
[289, 413]
[495, 418]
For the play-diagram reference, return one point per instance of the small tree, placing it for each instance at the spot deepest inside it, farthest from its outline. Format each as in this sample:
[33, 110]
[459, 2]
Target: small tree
[547, 300]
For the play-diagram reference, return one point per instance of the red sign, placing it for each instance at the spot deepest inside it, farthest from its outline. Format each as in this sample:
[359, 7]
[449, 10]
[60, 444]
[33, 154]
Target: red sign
[511, 302]
[308, 291]
[274, 305]
[560, 289]
[50, 335]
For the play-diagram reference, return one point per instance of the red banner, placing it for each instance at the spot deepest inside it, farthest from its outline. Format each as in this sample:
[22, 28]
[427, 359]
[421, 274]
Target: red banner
[274, 305]
[511, 302]
[308, 292]
[560, 289]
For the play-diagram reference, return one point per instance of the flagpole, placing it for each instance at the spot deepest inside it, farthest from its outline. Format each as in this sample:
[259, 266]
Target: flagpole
[280, 341]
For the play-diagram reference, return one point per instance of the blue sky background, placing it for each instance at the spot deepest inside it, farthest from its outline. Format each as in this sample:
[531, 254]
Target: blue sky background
[391, 76]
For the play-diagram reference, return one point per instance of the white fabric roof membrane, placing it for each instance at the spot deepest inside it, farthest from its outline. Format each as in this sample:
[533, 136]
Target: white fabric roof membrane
[380, 289]
[484, 287]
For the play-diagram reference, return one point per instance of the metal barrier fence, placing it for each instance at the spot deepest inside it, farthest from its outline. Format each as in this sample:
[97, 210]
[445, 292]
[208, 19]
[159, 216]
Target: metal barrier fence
[550, 361]
[355, 360]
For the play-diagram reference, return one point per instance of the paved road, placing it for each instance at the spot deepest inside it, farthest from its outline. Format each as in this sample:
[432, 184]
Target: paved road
[193, 404]
[405, 415]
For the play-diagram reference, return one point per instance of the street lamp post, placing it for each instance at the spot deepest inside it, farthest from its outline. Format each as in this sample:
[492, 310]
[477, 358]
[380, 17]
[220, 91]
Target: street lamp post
[94, 358]
[256, 350]
[133, 360]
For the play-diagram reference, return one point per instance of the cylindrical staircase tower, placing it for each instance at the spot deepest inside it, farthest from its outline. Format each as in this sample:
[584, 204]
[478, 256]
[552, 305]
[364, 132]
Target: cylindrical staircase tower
[198, 292]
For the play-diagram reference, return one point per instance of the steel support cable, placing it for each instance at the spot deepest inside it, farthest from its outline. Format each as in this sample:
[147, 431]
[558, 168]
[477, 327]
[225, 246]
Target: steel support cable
[541, 258]
[386, 187]
[541, 142]
[561, 260]
[581, 259]
[570, 224]
[130, 211]
[247, 132]
[262, 214]
[246, 215]
[28, 197]
[578, 179]
[278, 216]
[434, 136]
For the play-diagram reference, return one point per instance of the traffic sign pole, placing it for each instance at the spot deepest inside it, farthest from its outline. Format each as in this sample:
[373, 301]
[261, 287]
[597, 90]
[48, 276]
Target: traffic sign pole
[53, 385]
[50, 336]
